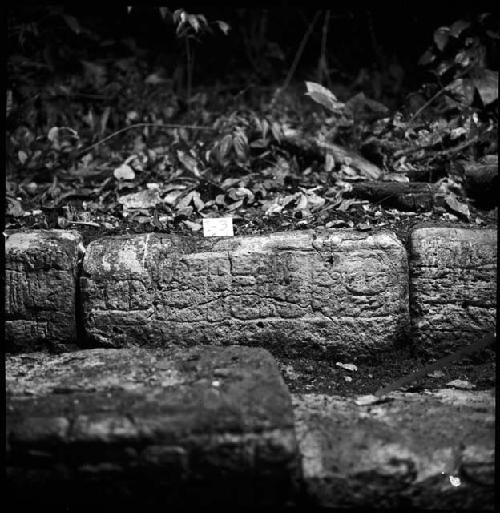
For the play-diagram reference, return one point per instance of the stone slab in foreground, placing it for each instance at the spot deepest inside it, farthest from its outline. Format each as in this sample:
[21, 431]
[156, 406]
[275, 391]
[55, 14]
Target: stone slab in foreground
[428, 451]
[336, 292]
[41, 273]
[453, 286]
[201, 426]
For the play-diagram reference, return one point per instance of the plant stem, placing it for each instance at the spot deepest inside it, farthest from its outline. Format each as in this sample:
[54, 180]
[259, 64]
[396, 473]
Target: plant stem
[296, 60]
[323, 65]
[189, 69]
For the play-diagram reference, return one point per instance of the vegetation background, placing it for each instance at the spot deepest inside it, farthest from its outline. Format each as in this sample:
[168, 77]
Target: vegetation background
[151, 118]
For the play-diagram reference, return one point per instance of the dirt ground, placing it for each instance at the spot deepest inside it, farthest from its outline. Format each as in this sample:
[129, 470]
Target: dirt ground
[304, 375]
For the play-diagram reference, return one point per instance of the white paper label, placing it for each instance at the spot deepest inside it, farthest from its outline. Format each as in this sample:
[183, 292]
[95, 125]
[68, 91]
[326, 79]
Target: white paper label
[218, 227]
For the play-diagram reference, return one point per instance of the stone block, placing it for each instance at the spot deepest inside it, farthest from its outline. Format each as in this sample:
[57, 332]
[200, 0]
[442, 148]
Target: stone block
[327, 293]
[433, 451]
[453, 284]
[40, 289]
[197, 427]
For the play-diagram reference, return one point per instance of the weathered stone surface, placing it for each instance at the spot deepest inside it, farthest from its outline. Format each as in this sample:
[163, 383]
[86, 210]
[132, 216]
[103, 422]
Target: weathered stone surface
[327, 292]
[429, 451]
[41, 269]
[200, 426]
[453, 276]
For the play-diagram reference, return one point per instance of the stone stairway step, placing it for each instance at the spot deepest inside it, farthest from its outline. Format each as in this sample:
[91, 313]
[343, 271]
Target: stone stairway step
[40, 289]
[197, 427]
[453, 286]
[214, 427]
[327, 292]
[427, 451]
[324, 294]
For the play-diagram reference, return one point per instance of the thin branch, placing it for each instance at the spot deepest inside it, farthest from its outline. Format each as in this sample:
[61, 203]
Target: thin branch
[141, 125]
[298, 55]
[440, 92]
[455, 149]
[426, 104]
[189, 65]
[323, 64]
[457, 355]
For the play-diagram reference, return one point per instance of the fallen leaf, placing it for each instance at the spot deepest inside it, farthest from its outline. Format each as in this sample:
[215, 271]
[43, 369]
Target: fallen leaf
[353, 161]
[22, 156]
[237, 193]
[185, 201]
[172, 197]
[302, 203]
[329, 162]
[229, 182]
[314, 201]
[347, 366]
[335, 223]
[365, 400]
[461, 384]
[14, 207]
[198, 203]
[235, 205]
[194, 226]
[363, 227]
[396, 177]
[456, 206]
[436, 374]
[141, 200]
[188, 162]
[124, 172]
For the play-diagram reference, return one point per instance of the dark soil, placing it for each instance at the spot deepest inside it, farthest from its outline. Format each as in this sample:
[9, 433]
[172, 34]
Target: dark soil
[304, 375]
[252, 223]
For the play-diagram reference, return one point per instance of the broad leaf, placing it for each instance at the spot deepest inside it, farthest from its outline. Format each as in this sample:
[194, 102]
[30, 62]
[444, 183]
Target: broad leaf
[456, 206]
[323, 96]
[124, 172]
[487, 86]
[441, 37]
[458, 27]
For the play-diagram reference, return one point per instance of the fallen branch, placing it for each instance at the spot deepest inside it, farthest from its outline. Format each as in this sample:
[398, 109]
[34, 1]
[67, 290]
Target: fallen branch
[408, 197]
[487, 341]
[439, 93]
[455, 149]
[85, 223]
[296, 60]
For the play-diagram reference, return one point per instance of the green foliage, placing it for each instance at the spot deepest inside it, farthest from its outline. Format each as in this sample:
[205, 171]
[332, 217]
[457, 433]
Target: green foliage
[239, 135]
[458, 58]
[459, 47]
[189, 27]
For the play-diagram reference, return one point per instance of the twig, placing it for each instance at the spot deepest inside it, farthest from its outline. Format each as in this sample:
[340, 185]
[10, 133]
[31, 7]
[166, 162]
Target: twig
[189, 65]
[86, 223]
[426, 104]
[323, 65]
[455, 149]
[441, 91]
[457, 355]
[141, 125]
[296, 60]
